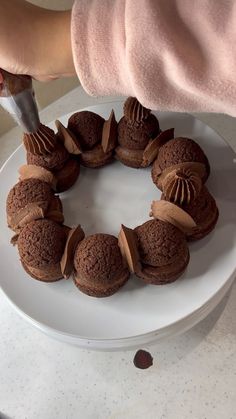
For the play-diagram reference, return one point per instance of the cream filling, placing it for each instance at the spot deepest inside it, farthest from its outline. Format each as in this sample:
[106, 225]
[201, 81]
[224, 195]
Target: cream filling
[49, 273]
[81, 281]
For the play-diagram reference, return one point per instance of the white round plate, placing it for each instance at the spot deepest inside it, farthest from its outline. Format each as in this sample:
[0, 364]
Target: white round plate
[100, 201]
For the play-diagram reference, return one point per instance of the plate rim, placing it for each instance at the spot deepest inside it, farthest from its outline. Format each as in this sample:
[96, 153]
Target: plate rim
[114, 344]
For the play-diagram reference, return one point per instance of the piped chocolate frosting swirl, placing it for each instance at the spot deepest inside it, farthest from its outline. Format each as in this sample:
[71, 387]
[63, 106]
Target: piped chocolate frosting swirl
[134, 111]
[182, 186]
[41, 142]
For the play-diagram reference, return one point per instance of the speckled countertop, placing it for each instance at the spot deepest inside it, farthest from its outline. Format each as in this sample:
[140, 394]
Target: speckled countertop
[193, 375]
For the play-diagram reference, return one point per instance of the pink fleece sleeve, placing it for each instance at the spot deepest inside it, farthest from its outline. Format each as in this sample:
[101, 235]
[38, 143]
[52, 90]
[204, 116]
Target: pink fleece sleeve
[177, 55]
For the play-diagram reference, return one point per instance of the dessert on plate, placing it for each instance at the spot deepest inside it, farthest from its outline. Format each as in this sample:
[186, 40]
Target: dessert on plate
[204, 211]
[180, 170]
[99, 267]
[41, 245]
[31, 199]
[49, 152]
[163, 250]
[157, 251]
[136, 130]
[88, 130]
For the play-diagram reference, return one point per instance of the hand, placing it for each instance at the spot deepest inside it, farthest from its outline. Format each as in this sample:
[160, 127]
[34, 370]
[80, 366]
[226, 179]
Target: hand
[35, 41]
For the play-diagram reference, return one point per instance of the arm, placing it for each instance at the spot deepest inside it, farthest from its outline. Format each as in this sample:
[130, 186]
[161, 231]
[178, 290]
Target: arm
[172, 55]
[35, 41]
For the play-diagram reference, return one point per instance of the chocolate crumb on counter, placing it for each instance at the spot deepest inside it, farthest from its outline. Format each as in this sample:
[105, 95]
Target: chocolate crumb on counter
[143, 359]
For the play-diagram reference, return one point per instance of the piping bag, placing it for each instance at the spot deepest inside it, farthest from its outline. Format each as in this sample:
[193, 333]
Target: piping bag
[17, 97]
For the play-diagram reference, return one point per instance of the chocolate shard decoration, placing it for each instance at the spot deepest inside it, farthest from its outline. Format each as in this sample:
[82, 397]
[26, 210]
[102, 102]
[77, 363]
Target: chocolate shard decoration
[30, 212]
[152, 149]
[69, 140]
[150, 153]
[129, 250]
[134, 111]
[67, 229]
[56, 204]
[56, 216]
[55, 211]
[74, 237]
[166, 136]
[170, 213]
[14, 239]
[29, 171]
[109, 133]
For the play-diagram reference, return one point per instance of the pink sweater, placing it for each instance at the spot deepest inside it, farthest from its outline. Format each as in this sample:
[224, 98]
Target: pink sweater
[177, 55]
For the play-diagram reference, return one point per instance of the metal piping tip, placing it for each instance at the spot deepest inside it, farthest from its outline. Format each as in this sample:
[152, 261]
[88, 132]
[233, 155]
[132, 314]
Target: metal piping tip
[23, 108]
